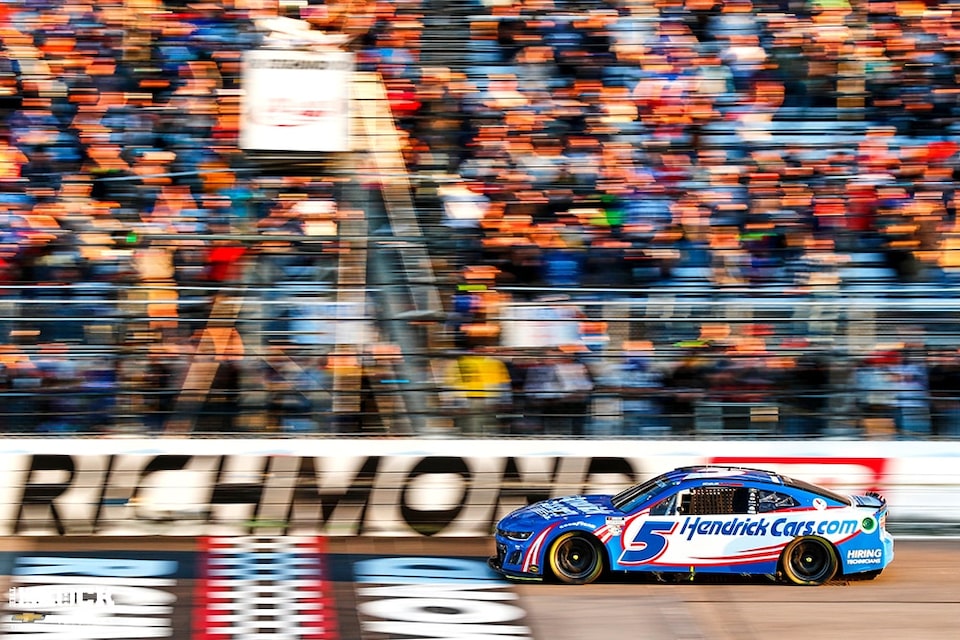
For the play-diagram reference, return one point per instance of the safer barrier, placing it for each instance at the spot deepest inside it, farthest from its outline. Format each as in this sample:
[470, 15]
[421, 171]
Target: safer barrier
[409, 487]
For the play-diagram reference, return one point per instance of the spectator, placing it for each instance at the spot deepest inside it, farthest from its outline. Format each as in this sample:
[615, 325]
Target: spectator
[540, 393]
[876, 388]
[641, 388]
[482, 387]
[297, 394]
[160, 385]
[912, 396]
[220, 411]
[945, 394]
[576, 386]
[806, 397]
[556, 393]
[684, 387]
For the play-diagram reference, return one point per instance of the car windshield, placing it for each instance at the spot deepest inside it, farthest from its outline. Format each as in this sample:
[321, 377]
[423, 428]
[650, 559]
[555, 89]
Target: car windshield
[640, 493]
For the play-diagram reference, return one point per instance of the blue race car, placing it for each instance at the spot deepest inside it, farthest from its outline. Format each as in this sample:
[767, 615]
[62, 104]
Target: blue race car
[706, 519]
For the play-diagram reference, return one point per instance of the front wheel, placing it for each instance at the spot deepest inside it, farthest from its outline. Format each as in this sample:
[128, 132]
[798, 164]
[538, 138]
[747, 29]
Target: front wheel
[575, 559]
[809, 561]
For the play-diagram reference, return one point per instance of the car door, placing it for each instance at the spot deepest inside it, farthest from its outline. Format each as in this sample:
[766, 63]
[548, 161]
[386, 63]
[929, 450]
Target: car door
[710, 525]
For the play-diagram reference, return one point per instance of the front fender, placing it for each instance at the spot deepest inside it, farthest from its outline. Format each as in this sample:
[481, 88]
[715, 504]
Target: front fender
[556, 531]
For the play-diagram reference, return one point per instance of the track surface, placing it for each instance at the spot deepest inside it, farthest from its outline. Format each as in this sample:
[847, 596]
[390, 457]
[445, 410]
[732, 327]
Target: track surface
[917, 598]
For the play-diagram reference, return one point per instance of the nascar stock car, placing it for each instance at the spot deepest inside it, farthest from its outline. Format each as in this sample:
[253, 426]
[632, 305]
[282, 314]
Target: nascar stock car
[707, 519]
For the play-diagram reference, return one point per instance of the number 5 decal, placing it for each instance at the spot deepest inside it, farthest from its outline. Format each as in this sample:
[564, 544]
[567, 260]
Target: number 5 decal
[649, 542]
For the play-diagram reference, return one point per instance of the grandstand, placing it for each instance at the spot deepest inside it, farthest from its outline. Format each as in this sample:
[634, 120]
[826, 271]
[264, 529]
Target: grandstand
[701, 222]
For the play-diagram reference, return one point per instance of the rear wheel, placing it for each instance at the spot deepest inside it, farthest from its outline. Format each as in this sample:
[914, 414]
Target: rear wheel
[575, 559]
[809, 561]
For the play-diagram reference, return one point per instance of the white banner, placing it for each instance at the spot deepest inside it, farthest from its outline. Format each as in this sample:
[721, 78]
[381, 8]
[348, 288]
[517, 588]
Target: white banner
[541, 326]
[408, 487]
[296, 100]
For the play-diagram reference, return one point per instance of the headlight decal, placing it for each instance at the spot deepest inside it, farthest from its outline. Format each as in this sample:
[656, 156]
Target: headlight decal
[515, 535]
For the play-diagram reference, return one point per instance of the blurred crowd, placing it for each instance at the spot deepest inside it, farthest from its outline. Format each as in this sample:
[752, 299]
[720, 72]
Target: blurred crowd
[567, 145]
[627, 143]
[708, 391]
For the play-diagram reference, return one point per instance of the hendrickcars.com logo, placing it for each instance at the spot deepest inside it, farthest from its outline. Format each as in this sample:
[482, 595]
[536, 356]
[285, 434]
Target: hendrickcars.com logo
[699, 526]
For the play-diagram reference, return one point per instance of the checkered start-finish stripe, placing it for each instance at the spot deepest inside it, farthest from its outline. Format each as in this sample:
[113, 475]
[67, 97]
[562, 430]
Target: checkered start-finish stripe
[264, 587]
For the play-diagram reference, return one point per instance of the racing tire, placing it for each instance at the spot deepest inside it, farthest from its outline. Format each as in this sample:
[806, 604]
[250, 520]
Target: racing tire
[809, 561]
[575, 558]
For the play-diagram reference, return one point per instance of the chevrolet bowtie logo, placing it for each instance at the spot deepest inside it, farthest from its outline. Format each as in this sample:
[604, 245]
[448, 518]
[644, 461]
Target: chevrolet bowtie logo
[27, 616]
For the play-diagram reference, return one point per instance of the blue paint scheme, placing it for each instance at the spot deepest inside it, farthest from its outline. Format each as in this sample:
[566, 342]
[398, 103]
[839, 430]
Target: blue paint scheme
[645, 528]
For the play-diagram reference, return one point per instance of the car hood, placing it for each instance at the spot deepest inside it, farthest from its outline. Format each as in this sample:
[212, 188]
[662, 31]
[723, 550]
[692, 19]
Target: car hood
[535, 516]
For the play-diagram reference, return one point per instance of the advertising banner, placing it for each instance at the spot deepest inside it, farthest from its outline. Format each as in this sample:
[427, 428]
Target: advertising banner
[96, 595]
[296, 100]
[408, 487]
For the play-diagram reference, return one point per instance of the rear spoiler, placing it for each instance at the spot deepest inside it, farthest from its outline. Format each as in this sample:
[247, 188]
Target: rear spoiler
[870, 499]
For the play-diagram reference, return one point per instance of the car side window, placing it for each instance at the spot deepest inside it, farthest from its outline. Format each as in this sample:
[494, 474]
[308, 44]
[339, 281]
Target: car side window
[708, 501]
[667, 506]
[774, 501]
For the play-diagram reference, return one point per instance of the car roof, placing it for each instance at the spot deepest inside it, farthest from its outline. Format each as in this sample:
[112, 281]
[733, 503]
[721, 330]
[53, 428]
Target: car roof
[718, 472]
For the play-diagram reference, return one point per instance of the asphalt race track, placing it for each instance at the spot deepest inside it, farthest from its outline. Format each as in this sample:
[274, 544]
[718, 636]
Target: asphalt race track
[384, 588]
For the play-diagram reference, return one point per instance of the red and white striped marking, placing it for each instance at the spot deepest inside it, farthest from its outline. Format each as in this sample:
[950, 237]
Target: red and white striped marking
[257, 588]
